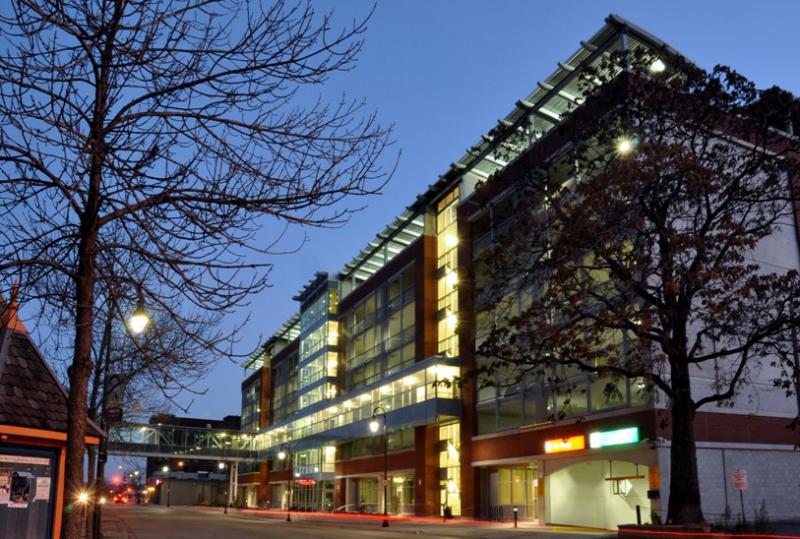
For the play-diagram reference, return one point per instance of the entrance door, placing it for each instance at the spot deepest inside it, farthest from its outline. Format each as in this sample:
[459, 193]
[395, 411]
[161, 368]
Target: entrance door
[515, 487]
[401, 495]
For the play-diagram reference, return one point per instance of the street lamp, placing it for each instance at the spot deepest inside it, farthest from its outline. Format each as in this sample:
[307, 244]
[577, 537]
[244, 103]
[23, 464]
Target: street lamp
[221, 467]
[374, 425]
[165, 470]
[139, 319]
[286, 454]
[137, 323]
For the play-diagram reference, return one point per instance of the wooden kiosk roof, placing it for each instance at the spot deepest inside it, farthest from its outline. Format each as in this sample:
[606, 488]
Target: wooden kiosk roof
[31, 397]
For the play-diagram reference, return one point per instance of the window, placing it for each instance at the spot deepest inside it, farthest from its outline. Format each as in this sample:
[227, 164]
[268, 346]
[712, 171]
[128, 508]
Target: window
[379, 337]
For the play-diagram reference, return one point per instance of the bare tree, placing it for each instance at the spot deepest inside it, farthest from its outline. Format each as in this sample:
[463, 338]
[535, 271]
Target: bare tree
[635, 253]
[137, 375]
[161, 142]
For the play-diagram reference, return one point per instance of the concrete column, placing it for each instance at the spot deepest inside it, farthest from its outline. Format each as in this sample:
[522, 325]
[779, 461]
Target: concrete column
[233, 481]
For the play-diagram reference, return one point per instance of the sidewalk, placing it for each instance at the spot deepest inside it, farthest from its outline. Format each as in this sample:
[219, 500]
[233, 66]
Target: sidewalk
[409, 523]
[114, 528]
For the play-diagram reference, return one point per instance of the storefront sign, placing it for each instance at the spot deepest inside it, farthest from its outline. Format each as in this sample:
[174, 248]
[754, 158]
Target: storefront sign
[562, 445]
[614, 437]
[305, 482]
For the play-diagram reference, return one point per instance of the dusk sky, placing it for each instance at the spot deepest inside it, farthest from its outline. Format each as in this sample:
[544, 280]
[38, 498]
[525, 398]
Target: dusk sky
[443, 72]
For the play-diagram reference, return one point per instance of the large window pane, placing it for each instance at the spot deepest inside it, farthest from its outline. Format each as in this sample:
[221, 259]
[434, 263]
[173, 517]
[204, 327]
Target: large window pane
[487, 422]
[508, 413]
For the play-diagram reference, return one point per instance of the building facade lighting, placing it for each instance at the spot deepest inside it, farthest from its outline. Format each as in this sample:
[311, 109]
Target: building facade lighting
[564, 445]
[614, 437]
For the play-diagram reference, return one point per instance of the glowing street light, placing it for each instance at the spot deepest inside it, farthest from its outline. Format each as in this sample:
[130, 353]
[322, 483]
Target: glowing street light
[83, 497]
[139, 320]
[374, 425]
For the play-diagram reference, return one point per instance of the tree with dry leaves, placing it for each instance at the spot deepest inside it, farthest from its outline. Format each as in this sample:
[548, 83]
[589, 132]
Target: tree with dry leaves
[167, 145]
[653, 246]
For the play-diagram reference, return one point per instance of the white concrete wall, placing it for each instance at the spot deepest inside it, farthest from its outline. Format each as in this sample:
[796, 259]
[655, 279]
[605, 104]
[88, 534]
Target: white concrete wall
[579, 495]
[776, 253]
[773, 477]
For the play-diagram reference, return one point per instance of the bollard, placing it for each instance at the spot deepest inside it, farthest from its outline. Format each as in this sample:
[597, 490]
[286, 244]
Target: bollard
[515, 516]
[638, 515]
[225, 505]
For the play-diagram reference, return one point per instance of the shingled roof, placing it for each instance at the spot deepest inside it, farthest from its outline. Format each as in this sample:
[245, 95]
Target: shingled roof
[30, 394]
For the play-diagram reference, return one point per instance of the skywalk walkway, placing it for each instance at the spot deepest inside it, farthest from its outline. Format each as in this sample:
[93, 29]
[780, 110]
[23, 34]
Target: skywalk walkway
[169, 441]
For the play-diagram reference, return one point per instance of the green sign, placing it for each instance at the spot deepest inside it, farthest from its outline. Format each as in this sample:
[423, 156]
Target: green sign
[614, 437]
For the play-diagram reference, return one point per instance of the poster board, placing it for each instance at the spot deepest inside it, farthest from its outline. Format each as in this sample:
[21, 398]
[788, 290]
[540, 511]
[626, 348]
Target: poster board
[27, 500]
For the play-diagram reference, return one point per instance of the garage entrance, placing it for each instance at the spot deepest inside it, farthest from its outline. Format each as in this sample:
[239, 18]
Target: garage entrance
[598, 493]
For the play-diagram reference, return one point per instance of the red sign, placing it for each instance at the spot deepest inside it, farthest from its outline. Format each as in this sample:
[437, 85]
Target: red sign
[740, 479]
[305, 482]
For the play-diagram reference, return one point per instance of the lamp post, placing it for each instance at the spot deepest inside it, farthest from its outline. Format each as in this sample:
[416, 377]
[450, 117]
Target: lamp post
[284, 454]
[374, 425]
[137, 323]
[221, 467]
[165, 470]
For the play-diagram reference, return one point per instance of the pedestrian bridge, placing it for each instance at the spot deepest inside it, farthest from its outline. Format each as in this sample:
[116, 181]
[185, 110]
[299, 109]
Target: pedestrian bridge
[169, 441]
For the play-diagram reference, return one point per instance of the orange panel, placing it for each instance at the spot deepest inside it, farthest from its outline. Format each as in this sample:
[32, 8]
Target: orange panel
[562, 445]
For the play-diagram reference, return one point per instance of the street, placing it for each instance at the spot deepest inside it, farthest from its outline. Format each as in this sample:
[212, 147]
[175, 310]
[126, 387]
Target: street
[157, 522]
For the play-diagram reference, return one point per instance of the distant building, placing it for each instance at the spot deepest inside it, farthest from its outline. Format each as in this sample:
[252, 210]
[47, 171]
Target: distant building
[33, 435]
[393, 329]
[189, 481]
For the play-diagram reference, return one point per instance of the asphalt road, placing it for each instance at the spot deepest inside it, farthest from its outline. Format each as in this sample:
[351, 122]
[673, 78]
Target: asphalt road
[155, 522]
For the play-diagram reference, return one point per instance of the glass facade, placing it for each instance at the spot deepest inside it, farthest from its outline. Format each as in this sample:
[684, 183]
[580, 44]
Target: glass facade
[509, 400]
[379, 332]
[428, 380]
[251, 402]
[450, 469]
[447, 273]
[284, 388]
[319, 333]
[373, 445]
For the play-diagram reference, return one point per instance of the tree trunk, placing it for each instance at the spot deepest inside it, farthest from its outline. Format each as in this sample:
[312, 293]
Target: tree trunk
[79, 373]
[81, 369]
[684, 486]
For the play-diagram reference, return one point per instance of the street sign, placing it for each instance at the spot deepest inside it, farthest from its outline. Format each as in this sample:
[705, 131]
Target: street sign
[740, 480]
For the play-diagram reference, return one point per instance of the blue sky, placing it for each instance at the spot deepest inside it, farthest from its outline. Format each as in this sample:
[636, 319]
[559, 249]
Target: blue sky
[443, 72]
